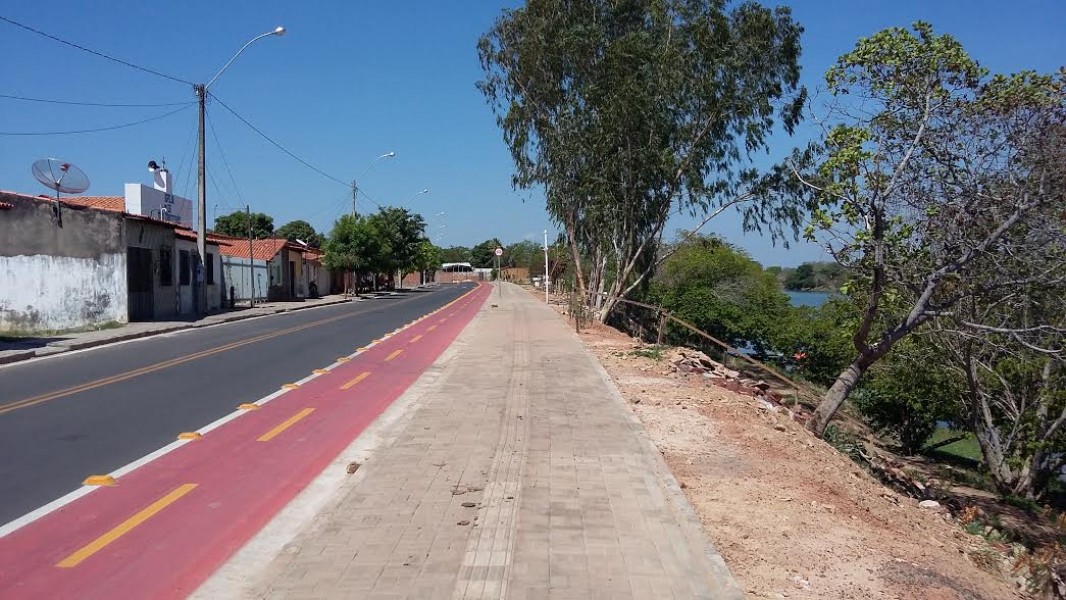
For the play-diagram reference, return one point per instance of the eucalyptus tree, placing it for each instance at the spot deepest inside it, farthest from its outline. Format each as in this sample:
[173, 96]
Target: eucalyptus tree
[629, 112]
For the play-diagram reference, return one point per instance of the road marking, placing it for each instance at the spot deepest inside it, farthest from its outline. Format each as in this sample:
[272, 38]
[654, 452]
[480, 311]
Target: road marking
[124, 527]
[65, 500]
[287, 423]
[415, 339]
[394, 354]
[431, 328]
[356, 380]
[443, 320]
[11, 406]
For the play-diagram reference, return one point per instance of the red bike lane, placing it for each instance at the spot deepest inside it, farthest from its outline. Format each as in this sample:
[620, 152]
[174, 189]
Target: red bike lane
[166, 526]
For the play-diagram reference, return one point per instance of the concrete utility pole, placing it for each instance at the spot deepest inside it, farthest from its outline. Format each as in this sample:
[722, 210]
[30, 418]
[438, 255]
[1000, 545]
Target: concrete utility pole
[355, 196]
[201, 168]
[251, 257]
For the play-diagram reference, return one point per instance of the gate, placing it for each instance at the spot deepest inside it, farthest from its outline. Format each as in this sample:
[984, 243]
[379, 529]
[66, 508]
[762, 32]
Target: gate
[139, 284]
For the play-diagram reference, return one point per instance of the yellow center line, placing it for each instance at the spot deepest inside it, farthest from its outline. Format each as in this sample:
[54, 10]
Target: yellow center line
[357, 379]
[394, 354]
[431, 328]
[157, 367]
[124, 527]
[415, 339]
[287, 423]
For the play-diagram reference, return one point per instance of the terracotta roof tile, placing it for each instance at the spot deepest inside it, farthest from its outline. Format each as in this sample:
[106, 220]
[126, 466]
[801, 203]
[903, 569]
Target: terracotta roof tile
[112, 203]
[261, 249]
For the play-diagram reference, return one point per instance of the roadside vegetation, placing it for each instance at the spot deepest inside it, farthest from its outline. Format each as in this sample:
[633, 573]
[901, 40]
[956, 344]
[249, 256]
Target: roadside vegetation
[936, 185]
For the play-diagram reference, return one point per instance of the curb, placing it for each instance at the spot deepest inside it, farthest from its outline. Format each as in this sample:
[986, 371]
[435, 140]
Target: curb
[59, 348]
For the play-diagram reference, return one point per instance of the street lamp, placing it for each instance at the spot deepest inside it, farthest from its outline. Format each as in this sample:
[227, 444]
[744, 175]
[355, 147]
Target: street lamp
[201, 168]
[355, 187]
[416, 194]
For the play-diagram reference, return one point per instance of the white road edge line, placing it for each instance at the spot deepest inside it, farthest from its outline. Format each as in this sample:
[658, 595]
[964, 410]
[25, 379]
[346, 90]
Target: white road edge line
[43, 511]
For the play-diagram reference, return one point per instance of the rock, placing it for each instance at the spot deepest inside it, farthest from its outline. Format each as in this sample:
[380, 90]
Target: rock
[353, 467]
[635, 400]
[463, 523]
[780, 427]
[930, 504]
[468, 505]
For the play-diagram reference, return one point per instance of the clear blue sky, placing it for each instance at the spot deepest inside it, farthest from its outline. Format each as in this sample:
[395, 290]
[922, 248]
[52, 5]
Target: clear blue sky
[352, 80]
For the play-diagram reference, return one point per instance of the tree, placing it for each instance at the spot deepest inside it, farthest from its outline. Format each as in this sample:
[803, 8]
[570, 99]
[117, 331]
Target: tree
[455, 254]
[235, 224]
[428, 258]
[931, 171]
[300, 230]
[526, 254]
[802, 278]
[483, 255]
[402, 232]
[721, 290]
[627, 113]
[356, 245]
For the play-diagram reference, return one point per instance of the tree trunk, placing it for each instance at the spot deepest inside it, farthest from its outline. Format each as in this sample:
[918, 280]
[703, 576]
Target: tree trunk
[840, 390]
[579, 276]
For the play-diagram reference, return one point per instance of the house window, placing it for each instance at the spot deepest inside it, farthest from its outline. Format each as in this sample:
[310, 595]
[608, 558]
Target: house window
[183, 267]
[166, 267]
[209, 268]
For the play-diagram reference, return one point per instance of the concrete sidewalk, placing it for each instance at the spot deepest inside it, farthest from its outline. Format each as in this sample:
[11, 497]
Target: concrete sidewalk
[519, 473]
[30, 347]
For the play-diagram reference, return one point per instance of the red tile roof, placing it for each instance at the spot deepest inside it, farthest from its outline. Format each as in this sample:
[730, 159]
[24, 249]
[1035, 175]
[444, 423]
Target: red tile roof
[261, 249]
[112, 203]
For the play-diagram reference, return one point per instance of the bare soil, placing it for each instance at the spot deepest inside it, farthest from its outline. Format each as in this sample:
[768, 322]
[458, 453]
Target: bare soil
[792, 516]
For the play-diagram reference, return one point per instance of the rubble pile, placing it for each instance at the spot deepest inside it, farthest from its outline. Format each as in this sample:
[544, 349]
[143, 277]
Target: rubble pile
[686, 361]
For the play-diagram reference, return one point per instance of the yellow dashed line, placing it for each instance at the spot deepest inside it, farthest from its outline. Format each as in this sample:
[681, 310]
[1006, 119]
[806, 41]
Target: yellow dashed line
[415, 339]
[357, 379]
[273, 433]
[394, 354]
[431, 328]
[125, 527]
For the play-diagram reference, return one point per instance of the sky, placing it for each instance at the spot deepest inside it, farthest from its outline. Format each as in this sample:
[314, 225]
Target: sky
[352, 80]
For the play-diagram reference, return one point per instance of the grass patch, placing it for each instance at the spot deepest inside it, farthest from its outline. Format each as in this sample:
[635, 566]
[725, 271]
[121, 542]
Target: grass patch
[18, 336]
[964, 450]
[652, 352]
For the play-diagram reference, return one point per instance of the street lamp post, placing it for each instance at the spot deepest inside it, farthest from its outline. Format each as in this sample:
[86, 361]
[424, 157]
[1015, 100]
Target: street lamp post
[416, 194]
[201, 168]
[355, 186]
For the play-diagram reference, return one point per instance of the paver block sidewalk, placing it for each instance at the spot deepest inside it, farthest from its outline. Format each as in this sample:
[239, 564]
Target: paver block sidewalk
[565, 496]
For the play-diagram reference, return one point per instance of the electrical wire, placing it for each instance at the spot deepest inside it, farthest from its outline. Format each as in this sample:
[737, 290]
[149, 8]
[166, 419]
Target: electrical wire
[225, 162]
[187, 150]
[94, 52]
[107, 104]
[97, 130]
[282, 148]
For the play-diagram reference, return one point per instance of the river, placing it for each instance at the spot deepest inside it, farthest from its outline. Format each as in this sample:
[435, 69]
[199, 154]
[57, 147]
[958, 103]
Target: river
[807, 298]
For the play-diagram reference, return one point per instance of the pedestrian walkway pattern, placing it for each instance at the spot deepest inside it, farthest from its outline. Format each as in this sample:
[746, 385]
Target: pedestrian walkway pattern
[522, 475]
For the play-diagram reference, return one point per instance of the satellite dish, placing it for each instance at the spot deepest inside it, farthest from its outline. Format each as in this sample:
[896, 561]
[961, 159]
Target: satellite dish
[61, 177]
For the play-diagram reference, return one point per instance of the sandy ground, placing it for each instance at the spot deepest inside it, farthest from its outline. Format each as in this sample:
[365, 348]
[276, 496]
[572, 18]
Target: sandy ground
[793, 517]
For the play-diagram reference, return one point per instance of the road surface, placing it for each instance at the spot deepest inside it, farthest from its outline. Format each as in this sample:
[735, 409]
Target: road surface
[74, 415]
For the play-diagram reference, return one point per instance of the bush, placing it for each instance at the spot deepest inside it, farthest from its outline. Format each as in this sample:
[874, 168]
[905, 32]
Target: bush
[907, 395]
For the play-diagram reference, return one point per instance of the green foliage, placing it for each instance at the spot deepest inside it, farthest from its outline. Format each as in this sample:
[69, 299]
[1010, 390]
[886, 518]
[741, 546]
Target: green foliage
[455, 254]
[845, 442]
[823, 276]
[483, 255]
[356, 244]
[235, 224]
[818, 339]
[653, 352]
[402, 233]
[719, 289]
[908, 394]
[629, 112]
[428, 257]
[302, 231]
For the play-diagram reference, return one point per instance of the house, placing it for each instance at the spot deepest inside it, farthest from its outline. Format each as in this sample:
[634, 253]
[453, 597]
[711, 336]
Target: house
[278, 264]
[316, 274]
[163, 282]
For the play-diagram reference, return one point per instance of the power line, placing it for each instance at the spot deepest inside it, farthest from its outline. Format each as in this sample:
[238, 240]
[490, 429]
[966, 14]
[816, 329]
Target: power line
[99, 129]
[283, 148]
[225, 162]
[107, 104]
[94, 52]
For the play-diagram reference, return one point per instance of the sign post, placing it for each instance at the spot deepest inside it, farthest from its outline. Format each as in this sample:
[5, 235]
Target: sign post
[499, 253]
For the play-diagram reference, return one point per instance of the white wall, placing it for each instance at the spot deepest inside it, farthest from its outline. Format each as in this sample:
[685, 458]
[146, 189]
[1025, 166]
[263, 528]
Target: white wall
[143, 200]
[235, 270]
[44, 292]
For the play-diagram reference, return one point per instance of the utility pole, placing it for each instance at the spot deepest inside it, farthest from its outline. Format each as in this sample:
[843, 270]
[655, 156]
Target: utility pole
[546, 266]
[251, 265]
[201, 197]
[355, 196]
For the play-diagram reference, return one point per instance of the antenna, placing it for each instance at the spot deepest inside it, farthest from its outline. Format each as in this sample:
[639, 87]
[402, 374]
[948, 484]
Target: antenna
[60, 176]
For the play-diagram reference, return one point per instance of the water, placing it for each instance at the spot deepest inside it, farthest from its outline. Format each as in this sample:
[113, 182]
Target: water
[807, 298]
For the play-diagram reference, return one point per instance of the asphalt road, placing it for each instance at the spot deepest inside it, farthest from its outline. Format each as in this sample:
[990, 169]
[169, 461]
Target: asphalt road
[70, 416]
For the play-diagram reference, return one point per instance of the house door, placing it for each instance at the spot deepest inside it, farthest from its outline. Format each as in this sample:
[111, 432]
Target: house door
[292, 280]
[139, 284]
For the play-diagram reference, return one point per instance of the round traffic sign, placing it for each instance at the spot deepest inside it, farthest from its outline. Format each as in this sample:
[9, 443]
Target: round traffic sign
[499, 252]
